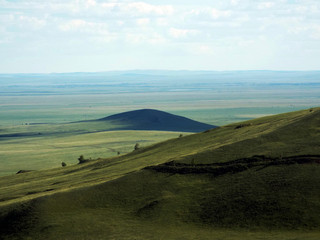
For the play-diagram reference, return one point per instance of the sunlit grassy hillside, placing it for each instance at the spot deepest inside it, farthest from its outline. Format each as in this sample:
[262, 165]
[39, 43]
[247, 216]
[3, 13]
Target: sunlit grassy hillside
[44, 152]
[212, 186]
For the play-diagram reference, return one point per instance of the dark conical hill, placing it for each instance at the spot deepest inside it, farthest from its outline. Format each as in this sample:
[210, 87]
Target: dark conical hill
[150, 119]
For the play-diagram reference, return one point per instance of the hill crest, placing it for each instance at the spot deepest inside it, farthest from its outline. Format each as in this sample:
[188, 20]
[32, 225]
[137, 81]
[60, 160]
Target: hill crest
[151, 119]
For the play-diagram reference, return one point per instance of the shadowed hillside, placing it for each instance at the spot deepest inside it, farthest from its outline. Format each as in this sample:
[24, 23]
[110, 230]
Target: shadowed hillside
[258, 179]
[149, 119]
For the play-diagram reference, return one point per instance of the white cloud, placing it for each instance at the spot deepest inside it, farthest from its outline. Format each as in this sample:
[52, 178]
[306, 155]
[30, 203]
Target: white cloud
[218, 13]
[265, 5]
[22, 20]
[203, 50]
[73, 25]
[120, 23]
[145, 8]
[32, 22]
[297, 29]
[162, 21]
[182, 33]
[109, 5]
[316, 32]
[7, 18]
[206, 27]
[143, 21]
[209, 11]
[140, 38]
[157, 39]
[234, 2]
[82, 26]
[90, 3]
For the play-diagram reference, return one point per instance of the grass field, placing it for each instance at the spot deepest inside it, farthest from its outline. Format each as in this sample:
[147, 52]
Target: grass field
[114, 199]
[271, 136]
[43, 152]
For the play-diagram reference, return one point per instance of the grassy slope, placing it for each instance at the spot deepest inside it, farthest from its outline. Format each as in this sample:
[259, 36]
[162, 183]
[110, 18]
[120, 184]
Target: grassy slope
[146, 205]
[44, 146]
[149, 205]
[43, 152]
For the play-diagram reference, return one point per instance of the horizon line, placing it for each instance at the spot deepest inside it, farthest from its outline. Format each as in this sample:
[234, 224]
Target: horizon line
[157, 70]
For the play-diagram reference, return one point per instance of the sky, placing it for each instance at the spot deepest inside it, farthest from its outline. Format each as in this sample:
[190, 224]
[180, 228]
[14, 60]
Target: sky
[44, 36]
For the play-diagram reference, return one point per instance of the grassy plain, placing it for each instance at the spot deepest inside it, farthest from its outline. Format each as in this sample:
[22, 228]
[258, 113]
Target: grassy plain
[217, 98]
[49, 151]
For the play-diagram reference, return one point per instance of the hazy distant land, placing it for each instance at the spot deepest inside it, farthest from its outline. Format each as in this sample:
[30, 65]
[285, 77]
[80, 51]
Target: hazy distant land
[215, 98]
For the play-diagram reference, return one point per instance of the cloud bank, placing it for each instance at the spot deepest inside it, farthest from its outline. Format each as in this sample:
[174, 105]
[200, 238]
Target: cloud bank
[92, 35]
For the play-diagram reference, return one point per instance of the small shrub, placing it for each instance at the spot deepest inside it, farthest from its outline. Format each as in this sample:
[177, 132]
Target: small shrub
[181, 135]
[137, 146]
[82, 159]
[192, 162]
[243, 125]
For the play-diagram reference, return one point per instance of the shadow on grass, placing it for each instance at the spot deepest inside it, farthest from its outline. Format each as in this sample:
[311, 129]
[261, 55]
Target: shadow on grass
[234, 166]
